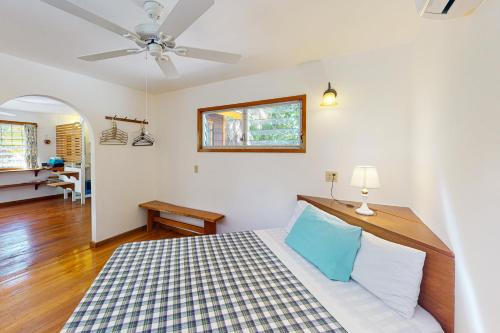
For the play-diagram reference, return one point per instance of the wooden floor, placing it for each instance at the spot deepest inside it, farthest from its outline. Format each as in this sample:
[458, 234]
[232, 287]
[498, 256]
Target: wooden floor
[46, 264]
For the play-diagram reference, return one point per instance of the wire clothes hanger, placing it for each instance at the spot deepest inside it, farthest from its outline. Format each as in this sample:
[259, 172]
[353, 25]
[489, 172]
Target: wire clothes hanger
[143, 139]
[113, 136]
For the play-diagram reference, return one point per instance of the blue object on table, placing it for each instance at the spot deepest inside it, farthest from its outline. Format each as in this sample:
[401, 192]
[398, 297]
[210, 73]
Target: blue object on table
[55, 162]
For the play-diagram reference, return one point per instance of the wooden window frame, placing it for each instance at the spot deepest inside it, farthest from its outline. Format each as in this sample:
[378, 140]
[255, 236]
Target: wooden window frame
[17, 122]
[301, 149]
[11, 122]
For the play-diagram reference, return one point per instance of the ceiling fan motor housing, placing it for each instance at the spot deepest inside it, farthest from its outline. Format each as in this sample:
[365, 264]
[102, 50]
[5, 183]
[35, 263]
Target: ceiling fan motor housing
[147, 31]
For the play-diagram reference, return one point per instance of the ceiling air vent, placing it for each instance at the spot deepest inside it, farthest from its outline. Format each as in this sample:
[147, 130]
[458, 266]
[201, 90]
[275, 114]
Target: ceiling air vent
[445, 9]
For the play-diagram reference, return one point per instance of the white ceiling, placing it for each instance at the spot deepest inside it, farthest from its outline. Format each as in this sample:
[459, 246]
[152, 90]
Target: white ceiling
[268, 33]
[39, 104]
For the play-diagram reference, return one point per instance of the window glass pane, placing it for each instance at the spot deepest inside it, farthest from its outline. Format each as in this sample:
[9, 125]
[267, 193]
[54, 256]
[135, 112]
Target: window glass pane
[275, 125]
[12, 146]
[223, 129]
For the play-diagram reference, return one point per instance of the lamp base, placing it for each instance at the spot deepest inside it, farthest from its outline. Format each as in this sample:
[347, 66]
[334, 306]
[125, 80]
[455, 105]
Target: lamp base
[364, 210]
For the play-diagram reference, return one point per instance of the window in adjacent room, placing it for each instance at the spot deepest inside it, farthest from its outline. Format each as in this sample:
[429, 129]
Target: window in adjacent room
[275, 125]
[12, 145]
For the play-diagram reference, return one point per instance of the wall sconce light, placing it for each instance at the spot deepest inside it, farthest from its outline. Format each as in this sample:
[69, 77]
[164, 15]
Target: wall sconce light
[329, 97]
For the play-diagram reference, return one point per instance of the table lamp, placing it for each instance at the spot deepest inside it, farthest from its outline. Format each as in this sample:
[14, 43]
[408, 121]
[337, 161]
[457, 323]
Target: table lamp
[365, 177]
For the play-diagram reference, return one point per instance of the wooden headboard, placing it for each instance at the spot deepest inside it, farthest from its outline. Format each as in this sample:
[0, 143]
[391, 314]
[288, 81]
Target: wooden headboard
[400, 225]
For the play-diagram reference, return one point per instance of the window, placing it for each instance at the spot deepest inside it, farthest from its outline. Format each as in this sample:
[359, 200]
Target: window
[275, 125]
[12, 145]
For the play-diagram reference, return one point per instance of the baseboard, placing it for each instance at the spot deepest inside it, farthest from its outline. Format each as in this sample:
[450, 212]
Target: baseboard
[108, 240]
[19, 202]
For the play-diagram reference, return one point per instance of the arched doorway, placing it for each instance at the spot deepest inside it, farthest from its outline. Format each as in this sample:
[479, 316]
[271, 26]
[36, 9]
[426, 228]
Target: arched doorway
[29, 180]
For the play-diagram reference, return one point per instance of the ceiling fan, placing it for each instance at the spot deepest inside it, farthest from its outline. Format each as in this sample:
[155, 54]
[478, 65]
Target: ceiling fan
[152, 37]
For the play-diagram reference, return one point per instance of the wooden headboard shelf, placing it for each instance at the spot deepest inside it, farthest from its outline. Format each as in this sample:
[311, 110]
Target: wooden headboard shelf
[400, 225]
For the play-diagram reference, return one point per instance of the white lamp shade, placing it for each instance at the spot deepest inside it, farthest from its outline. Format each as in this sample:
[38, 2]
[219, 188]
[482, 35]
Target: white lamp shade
[365, 177]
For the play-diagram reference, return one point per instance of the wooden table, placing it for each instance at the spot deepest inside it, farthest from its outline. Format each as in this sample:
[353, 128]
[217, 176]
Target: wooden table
[155, 207]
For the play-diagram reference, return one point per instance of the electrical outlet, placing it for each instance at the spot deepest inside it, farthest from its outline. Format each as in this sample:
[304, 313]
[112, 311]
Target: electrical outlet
[330, 176]
[195, 169]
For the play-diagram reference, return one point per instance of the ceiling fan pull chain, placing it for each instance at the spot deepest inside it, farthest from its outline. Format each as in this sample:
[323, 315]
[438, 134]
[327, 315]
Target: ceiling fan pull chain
[147, 87]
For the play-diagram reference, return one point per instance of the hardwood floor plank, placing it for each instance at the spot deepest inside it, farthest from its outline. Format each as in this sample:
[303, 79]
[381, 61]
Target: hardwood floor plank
[46, 263]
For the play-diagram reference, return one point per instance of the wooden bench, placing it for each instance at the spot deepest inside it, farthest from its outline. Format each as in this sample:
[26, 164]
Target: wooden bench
[63, 185]
[66, 186]
[156, 207]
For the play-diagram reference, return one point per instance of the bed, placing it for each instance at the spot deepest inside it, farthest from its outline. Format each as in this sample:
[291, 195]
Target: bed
[237, 282]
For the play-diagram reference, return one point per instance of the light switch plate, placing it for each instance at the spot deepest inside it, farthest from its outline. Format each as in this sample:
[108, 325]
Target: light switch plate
[195, 169]
[330, 176]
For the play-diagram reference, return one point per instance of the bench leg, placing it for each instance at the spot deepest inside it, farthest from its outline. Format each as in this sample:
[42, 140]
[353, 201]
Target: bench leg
[210, 228]
[65, 194]
[151, 215]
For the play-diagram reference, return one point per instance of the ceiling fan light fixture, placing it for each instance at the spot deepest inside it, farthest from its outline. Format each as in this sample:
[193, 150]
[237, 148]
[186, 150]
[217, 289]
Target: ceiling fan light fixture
[155, 50]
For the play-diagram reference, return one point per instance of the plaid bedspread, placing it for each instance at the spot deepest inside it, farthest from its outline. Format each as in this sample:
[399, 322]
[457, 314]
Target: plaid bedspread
[219, 283]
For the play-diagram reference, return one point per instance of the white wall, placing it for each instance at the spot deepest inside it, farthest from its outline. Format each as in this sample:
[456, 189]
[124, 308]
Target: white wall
[457, 156]
[47, 123]
[258, 190]
[121, 174]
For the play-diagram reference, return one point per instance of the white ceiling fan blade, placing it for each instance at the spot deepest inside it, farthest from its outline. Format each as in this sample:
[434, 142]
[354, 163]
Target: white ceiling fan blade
[167, 67]
[109, 55]
[72, 9]
[185, 13]
[192, 52]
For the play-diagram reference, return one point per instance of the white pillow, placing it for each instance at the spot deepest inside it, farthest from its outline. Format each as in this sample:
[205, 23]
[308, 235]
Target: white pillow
[390, 271]
[299, 208]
